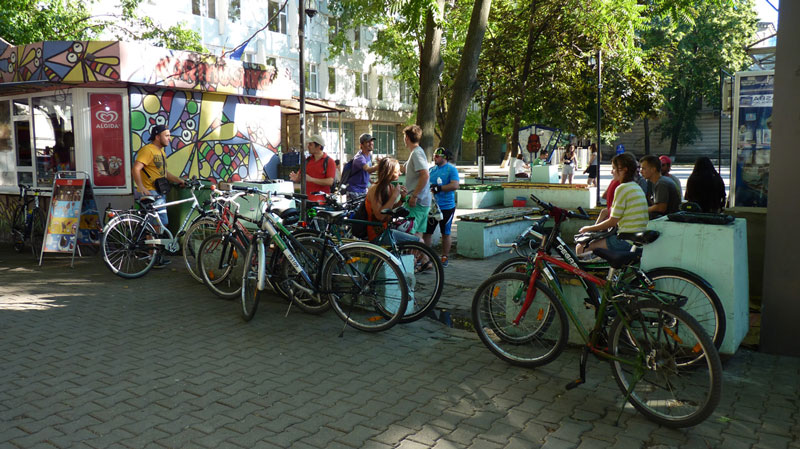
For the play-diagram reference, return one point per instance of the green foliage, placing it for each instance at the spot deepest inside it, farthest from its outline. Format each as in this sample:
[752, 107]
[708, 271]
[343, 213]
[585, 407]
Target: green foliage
[28, 21]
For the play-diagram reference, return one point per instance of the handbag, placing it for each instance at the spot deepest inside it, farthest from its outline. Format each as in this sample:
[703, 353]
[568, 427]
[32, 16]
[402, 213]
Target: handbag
[162, 185]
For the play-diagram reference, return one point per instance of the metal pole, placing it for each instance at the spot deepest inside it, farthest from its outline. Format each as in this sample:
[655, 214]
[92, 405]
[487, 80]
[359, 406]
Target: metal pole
[719, 138]
[302, 83]
[599, 89]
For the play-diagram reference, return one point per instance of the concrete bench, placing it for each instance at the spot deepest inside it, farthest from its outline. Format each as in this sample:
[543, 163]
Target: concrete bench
[567, 196]
[479, 198]
[477, 233]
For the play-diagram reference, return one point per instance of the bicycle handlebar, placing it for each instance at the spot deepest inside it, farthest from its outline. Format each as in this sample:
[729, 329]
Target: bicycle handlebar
[581, 214]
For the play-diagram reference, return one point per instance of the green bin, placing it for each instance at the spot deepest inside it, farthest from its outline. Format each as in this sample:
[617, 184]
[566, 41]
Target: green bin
[178, 212]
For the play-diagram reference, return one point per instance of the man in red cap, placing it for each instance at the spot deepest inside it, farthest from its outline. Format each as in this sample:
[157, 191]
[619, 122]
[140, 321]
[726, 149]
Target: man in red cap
[666, 166]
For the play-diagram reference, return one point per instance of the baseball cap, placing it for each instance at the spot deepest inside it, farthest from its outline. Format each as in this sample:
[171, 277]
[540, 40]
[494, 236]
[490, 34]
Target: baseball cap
[439, 151]
[365, 138]
[156, 130]
[665, 160]
[316, 138]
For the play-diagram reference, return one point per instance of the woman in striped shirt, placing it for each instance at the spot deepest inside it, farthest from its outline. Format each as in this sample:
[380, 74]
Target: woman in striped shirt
[628, 211]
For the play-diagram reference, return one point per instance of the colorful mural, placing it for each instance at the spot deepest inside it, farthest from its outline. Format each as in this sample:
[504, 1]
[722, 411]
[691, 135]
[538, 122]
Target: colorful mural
[226, 138]
[61, 61]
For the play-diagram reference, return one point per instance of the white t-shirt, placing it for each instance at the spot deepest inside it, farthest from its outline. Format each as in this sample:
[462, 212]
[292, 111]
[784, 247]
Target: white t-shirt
[417, 161]
[519, 166]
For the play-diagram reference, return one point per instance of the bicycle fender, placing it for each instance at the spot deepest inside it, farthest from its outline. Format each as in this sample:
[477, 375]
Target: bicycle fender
[375, 247]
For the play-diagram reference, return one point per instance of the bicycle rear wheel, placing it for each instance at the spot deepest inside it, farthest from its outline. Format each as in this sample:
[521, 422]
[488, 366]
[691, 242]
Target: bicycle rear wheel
[424, 288]
[198, 231]
[221, 264]
[124, 250]
[250, 292]
[541, 334]
[669, 364]
[703, 303]
[316, 303]
[366, 288]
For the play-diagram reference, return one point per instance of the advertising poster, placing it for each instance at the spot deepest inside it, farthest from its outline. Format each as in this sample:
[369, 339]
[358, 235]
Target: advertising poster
[65, 212]
[752, 140]
[89, 227]
[108, 141]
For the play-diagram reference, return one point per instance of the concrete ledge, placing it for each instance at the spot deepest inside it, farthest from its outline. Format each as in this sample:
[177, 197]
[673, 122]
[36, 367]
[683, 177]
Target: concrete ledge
[478, 199]
[567, 196]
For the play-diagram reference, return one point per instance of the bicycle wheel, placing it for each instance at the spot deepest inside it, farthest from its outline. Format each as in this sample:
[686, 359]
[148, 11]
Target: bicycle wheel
[703, 303]
[542, 332]
[124, 250]
[366, 288]
[424, 288]
[37, 231]
[250, 292]
[669, 369]
[221, 264]
[309, 303]
[18, 228]
[198, 231]
[516, 264]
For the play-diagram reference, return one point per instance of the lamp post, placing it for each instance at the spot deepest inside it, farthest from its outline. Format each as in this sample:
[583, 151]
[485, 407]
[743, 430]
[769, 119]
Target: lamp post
[599, 63]
[309, 8]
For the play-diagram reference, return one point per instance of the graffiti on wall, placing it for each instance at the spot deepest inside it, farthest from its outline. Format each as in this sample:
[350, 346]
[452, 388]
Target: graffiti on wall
[213, 136]
[61, 61]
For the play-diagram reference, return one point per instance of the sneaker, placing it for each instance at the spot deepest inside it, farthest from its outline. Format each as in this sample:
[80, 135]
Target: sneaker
[162, 262]
[445, 261]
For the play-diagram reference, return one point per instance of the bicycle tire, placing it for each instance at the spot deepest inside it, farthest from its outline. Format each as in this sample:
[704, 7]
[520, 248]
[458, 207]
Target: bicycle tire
[250, 293]
[425, 288]
[680, 369]
[314, 304]
[378, 302]
[221, 264]
[517, 264]
[37, 232]
[542, 332]
[122, 253]
[199, 230]
[18, 228]
[703, 303]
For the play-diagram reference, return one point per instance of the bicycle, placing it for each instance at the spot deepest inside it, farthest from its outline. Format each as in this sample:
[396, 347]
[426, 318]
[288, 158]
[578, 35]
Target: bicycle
[131, 245]
[703, 303]
[362, 282]
[662, 360]
[29, 220]
[425, 287]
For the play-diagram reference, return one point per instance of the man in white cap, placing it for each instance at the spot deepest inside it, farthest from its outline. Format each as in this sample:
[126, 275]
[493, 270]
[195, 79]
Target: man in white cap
[361, 168]
[320, 170]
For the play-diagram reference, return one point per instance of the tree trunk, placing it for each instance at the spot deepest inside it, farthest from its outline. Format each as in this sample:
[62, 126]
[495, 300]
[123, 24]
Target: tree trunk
[466, 81]
[646, 123]
[430, 68]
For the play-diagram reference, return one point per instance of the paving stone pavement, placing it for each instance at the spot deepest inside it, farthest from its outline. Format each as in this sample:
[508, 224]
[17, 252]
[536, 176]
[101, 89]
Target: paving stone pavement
[91, 360]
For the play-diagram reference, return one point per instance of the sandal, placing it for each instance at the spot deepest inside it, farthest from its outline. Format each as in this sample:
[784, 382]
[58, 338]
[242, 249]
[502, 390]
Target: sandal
[423, 267]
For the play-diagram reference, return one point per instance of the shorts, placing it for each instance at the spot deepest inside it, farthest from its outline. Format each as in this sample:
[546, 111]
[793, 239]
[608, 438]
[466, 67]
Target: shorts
[614, 243]
[444, 224]
[567, 169]
[592, 170]
[420, 215]
[160, 200]
[398, 236]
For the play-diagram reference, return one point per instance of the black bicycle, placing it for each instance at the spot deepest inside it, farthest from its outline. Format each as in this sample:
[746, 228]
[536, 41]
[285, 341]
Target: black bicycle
[29, 220]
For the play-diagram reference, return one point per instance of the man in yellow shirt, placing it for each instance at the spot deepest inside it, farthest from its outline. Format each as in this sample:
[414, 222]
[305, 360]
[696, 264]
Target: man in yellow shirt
[151, 164]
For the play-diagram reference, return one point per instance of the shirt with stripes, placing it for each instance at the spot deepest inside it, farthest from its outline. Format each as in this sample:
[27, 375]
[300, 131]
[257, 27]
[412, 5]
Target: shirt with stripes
[630, 207]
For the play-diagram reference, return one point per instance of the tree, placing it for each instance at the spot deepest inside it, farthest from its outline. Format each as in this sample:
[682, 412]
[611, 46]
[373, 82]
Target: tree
[708, 37]
[27, 21]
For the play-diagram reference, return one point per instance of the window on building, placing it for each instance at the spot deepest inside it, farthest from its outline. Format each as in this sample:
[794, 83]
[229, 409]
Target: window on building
[331, 135]
[357, 38]
[234, 10]
[333, 28]
[331, 80]
[406, 93]
[278, 24]
[204, 8]
[380, 88]
[311, 78]
[357, 76]
[385, 139]
[365, 85]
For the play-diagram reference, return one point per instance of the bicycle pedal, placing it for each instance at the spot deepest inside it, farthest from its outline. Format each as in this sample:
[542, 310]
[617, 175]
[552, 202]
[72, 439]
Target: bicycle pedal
[575, 383]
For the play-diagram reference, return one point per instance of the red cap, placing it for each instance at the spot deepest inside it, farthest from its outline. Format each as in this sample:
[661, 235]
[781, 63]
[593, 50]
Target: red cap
[665, 160]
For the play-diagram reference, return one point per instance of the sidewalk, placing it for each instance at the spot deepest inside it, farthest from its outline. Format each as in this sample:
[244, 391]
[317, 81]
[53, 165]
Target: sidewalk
[88, 359]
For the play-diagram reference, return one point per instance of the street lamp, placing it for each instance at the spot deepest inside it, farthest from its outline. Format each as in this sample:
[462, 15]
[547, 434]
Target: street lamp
[599, 63]
[309, 8]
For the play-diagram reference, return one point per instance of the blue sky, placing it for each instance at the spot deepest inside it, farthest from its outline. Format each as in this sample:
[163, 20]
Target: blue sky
[766, 13]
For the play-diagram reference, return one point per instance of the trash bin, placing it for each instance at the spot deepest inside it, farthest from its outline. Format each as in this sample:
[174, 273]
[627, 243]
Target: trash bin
[178, 212]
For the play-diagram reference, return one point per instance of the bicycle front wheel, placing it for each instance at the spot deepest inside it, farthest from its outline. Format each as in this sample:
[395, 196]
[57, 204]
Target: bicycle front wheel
[540, 334]
[221, 264]
[250, 291]
[669, 369]
[124, 250]
[703, 303]
[366, 288]
[198, 231]
[424, 288]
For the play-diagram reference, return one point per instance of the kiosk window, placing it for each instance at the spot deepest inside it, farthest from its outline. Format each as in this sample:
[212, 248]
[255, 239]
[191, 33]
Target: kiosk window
[54, 140]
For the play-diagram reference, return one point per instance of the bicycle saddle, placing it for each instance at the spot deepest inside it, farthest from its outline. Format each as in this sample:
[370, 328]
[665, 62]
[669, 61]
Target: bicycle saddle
[639, 238]
[147, 200]
[617, 259]
[398, 212]
[330, 215]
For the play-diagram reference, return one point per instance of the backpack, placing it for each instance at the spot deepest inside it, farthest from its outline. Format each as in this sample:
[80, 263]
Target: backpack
[345, 178]
[359, 230]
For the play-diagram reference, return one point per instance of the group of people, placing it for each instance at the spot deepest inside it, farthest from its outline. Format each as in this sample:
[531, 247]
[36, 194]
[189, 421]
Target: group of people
[568, 163]
[643, 190]
[421, 185]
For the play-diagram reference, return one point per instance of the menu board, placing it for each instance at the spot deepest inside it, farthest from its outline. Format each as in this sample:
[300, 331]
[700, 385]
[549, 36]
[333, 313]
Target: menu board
[64, 217]
[752, 138]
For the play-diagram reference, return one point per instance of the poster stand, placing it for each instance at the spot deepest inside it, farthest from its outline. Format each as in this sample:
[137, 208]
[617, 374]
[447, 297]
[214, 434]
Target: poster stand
[72, 217]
